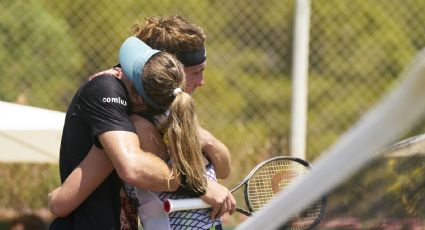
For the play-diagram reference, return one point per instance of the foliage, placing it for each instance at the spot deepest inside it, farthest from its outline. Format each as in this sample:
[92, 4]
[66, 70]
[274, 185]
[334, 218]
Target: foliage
[31, 39]
[25, 186]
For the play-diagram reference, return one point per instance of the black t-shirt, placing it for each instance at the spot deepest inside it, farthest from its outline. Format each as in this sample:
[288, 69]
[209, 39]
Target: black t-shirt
[99, 105]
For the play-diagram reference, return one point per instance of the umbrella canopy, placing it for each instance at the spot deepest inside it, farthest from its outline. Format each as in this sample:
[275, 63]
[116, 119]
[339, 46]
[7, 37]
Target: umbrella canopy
[29, 134]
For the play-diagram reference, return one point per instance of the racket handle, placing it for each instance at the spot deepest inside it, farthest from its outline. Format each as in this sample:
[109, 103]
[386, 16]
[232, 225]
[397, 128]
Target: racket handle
[171, 205]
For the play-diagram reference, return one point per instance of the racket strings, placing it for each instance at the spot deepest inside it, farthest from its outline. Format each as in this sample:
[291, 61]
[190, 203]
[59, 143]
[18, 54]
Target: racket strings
[274, 177]
[270, 179]
[308, 217]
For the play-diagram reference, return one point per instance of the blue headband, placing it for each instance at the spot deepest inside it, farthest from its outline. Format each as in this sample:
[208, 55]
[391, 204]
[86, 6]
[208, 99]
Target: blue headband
[133, 56]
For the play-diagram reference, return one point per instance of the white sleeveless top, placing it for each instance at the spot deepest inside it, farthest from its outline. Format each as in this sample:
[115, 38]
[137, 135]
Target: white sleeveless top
[152, 214]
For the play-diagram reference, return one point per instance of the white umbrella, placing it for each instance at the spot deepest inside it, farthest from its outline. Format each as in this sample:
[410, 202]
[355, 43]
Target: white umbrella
[29, 134]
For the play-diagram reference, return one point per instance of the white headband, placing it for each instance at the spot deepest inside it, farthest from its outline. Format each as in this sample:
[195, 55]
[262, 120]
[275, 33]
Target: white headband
[176, 91]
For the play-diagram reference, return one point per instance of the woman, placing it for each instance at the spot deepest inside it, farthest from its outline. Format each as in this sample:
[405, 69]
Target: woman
[181, 130]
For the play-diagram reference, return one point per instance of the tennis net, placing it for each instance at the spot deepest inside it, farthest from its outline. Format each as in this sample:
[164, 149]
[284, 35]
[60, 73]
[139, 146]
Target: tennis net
[361, 146]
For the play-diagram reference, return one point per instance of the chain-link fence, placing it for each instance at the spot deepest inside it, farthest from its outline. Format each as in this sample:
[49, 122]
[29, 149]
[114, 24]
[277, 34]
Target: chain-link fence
[358, 49]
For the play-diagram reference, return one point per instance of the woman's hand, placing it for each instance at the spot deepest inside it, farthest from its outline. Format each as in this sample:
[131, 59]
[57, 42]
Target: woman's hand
[220, 198]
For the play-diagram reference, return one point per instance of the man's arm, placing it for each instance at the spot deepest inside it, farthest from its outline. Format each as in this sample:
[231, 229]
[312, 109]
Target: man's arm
[217, 152]
[134, 166]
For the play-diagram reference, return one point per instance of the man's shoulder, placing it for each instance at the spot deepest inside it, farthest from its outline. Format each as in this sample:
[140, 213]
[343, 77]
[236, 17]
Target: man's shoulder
[105, 84]
[106, 78]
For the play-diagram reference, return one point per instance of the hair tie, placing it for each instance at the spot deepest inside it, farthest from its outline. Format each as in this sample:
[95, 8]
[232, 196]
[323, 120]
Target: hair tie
[176, 91]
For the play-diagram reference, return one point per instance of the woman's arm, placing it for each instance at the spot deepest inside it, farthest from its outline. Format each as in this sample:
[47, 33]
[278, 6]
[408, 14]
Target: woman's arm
[82, 181]
[96, 167]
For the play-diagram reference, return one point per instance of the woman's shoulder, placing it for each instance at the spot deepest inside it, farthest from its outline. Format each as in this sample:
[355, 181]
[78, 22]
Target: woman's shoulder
[144, 122]
[149, 136]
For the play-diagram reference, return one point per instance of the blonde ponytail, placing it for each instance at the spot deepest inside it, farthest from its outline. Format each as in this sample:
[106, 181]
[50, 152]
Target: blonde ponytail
[184, 143]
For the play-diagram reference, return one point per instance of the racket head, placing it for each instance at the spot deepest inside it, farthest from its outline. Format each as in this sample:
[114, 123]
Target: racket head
[271, 177]
[308, 218]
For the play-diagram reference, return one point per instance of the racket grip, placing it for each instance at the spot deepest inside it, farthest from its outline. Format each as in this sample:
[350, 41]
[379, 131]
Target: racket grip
[171, 205]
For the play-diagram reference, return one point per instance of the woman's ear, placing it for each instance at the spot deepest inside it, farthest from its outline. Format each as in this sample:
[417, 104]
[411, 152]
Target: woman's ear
[138, 101]
[138, 104]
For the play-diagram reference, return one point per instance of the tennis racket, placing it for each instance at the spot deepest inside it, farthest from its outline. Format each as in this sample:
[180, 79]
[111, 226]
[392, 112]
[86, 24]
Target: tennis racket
[264, 182]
